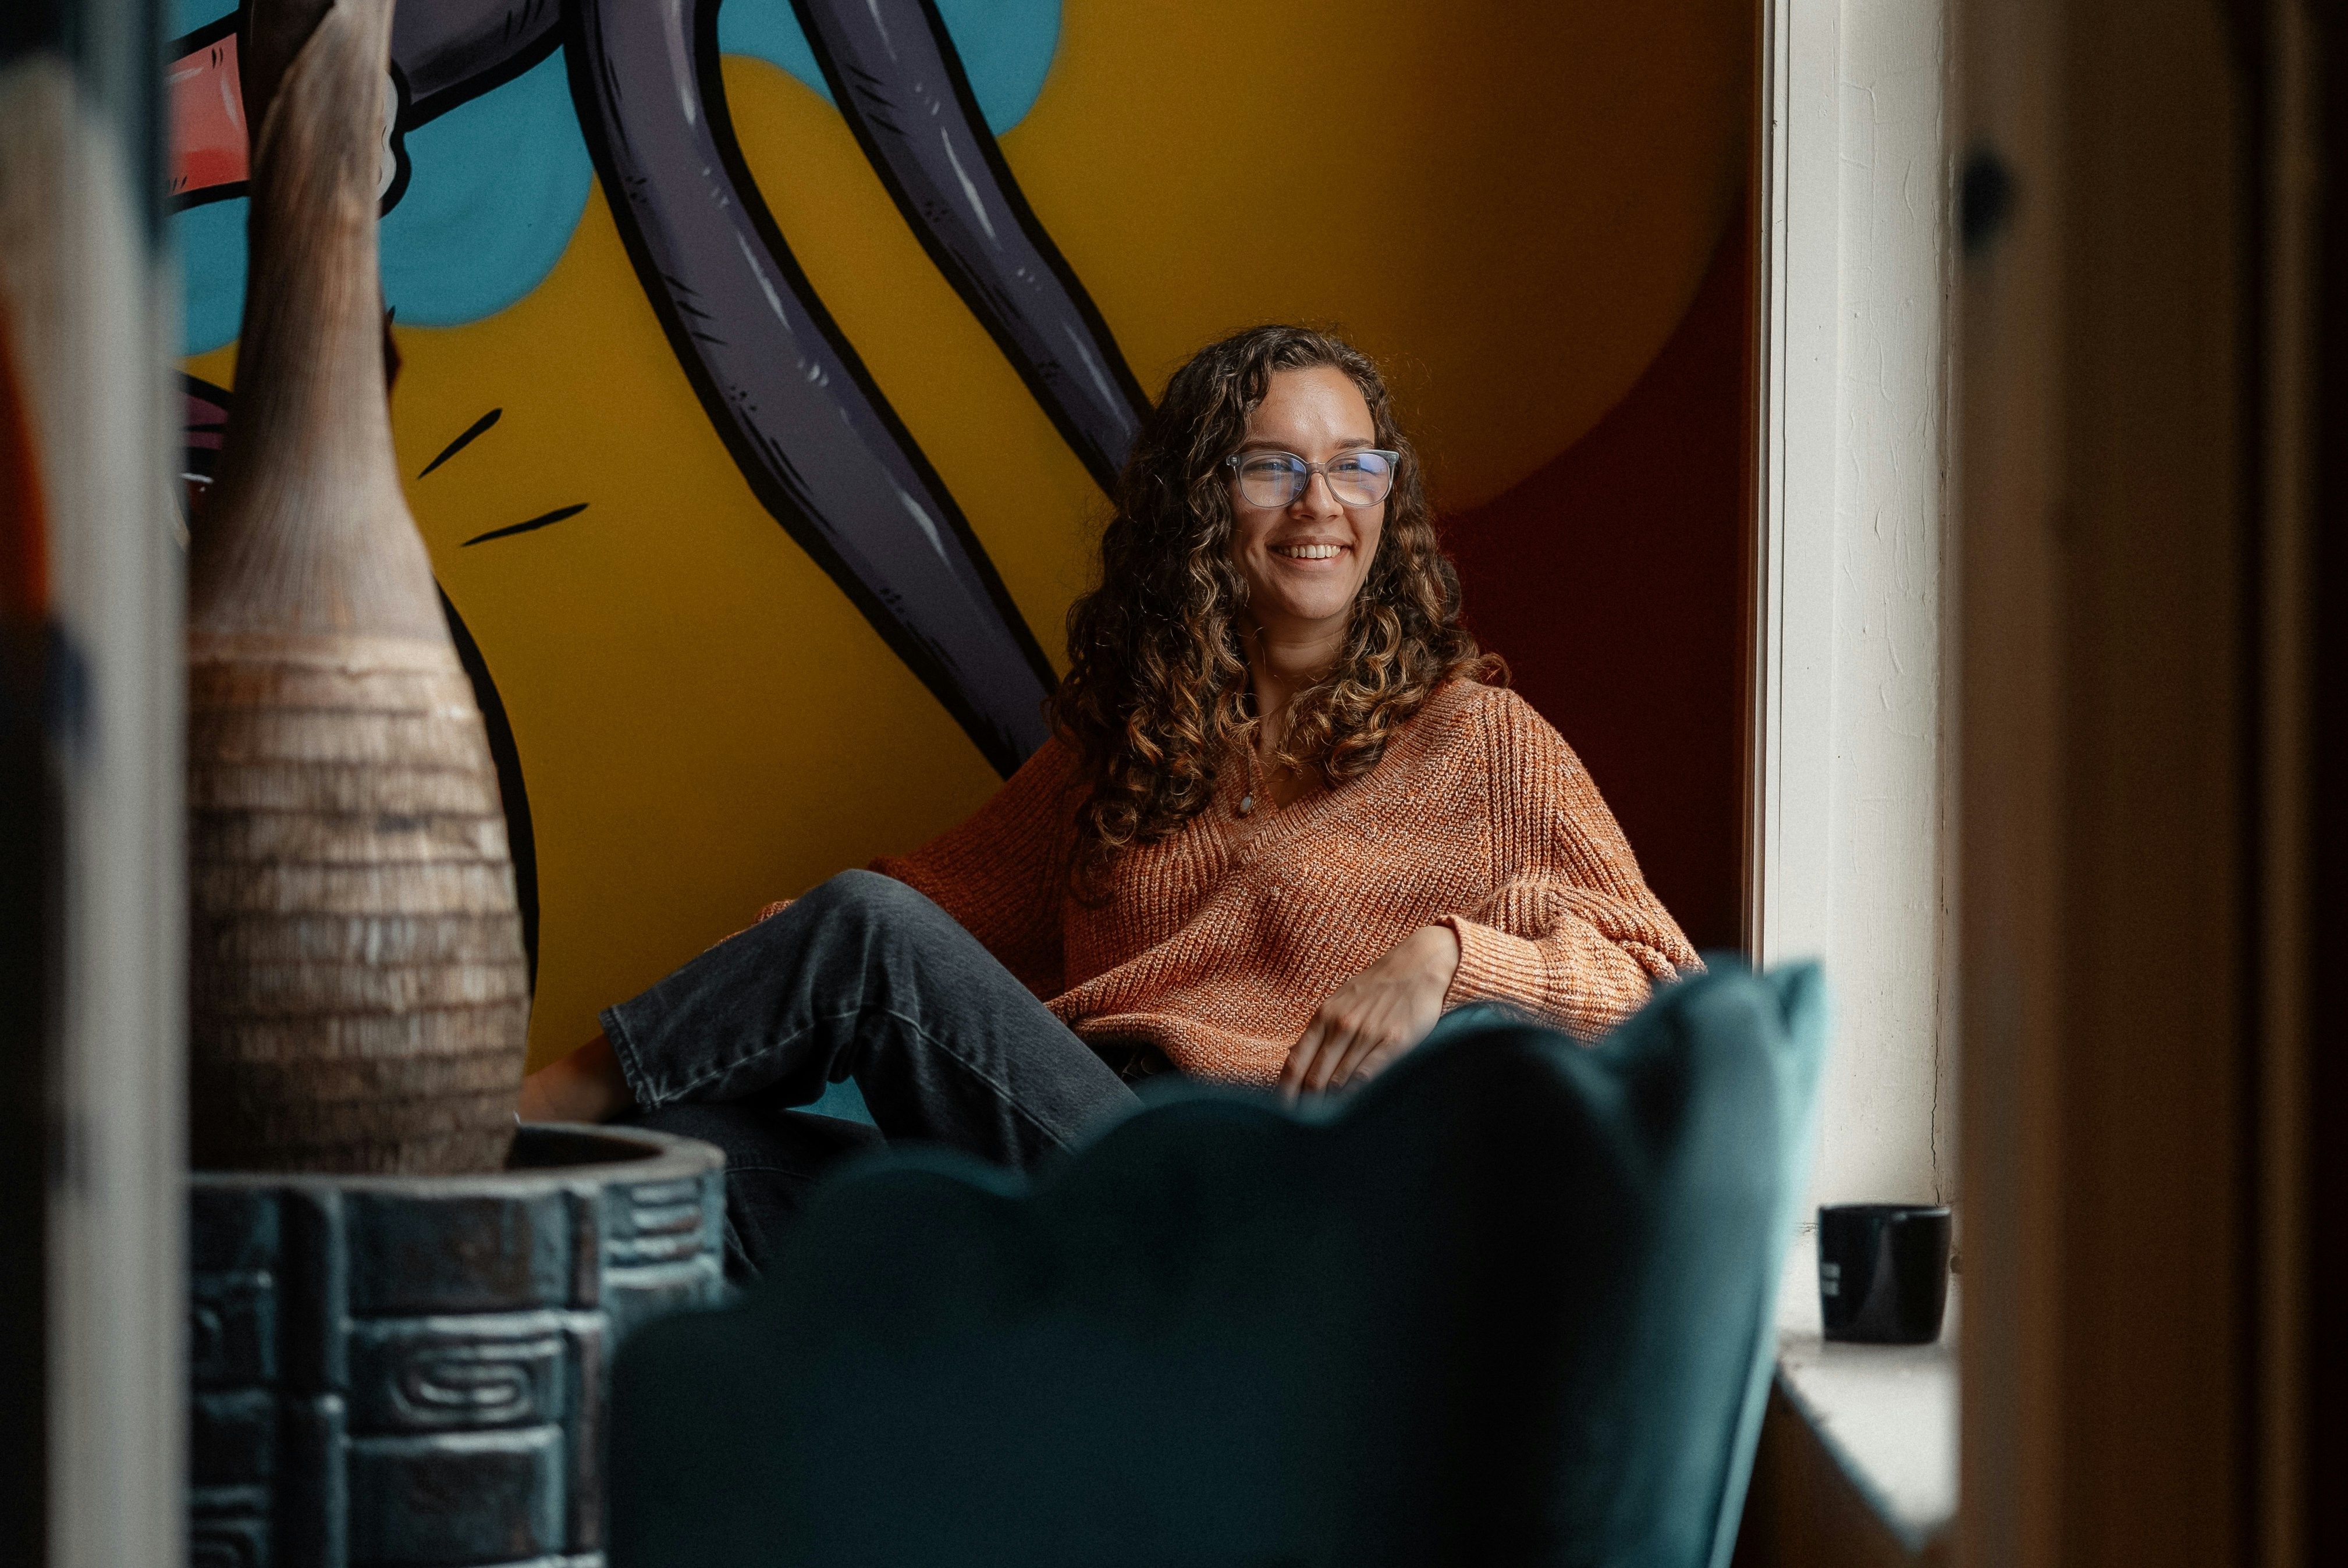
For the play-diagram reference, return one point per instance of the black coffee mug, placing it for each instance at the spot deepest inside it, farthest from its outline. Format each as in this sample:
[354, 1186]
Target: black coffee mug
[1883, 1272]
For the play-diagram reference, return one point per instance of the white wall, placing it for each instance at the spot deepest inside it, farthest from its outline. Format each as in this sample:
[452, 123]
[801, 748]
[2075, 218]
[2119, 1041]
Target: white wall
[1889, 910]
[1852, 833]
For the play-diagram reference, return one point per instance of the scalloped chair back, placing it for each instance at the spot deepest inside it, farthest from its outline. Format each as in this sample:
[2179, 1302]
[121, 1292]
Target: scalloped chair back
[1512, 1303]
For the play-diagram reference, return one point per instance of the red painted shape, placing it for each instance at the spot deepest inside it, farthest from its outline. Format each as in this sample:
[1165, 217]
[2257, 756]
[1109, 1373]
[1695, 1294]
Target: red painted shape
[204, 420]
[24, 522]
[1614, 581]
[208, 144]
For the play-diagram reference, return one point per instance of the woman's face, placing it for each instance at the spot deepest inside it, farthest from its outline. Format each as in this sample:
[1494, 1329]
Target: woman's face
[1304, 562]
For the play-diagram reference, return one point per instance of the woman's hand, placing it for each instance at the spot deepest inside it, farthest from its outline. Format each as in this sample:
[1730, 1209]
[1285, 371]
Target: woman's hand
[1375, 1016]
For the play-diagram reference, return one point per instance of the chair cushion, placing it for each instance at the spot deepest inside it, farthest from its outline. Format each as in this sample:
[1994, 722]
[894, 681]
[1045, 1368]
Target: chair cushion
[1510, 1303]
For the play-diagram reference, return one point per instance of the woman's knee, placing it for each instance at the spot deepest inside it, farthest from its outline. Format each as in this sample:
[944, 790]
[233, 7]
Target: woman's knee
[870, 895]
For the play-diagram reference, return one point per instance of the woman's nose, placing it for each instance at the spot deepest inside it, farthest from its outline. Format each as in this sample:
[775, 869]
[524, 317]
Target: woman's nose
[1316, 484]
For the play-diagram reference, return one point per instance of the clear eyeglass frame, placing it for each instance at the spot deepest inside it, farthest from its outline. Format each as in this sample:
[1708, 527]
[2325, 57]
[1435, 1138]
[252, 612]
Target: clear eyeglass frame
[1275, 479]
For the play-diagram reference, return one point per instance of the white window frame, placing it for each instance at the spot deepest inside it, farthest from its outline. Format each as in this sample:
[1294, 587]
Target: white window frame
[1847, 853]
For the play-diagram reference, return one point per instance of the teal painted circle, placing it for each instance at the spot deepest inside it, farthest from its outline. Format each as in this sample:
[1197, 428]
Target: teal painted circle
[496, 188]
[210, 240]
[186, 15]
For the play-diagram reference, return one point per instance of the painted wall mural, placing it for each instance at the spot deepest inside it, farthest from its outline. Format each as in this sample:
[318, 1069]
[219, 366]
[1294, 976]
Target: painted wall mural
[764, 363]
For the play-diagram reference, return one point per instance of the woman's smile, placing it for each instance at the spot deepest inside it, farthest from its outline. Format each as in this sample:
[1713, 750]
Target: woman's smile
[1304, 562]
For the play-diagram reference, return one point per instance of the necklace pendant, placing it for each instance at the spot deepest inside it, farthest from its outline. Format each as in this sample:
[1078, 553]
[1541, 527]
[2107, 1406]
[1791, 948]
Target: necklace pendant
[1247, 803]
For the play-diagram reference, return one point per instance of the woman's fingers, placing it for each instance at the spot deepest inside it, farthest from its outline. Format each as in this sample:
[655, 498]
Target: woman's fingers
[1344, 1036]
[1365, 1025]
[1328, 1049]
[1343, 1044]
[1316, 1052]
[1376, 1049]
[1300, 1056]
[1332, 1057]
[1368, 1053]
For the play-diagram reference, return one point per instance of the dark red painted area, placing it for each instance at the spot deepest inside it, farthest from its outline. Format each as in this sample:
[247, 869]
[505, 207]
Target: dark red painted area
[1613, 581]
[23, 513]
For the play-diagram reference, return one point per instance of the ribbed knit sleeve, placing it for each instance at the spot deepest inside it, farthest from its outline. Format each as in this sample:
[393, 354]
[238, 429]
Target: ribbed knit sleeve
[1571, 932]
[1003, 875]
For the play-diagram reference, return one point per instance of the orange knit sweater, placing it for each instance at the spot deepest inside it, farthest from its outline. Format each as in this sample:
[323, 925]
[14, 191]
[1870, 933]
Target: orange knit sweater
[1217, 944]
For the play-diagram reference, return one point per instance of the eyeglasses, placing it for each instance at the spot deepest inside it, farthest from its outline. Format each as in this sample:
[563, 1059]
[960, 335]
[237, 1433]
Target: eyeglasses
[1359, 478]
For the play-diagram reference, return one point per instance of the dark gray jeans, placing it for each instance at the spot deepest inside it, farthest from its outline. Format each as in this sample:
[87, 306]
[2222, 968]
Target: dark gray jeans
[863, 978]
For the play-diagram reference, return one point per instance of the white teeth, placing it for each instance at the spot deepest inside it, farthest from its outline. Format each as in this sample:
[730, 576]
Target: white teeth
[1306, 552]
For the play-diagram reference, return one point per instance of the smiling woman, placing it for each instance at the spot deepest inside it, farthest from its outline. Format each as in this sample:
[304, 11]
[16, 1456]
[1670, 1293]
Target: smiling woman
[1306, 623]
[1282, 828]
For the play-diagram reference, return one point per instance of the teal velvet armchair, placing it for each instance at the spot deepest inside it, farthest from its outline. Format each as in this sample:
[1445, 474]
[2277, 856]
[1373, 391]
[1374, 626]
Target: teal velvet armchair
[1511, 1304]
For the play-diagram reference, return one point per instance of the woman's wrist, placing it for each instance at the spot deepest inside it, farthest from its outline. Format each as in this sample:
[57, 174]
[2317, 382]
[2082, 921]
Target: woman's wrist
[1442, 952]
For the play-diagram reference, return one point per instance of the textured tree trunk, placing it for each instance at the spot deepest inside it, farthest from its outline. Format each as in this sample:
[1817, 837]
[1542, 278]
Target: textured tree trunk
[359, 994]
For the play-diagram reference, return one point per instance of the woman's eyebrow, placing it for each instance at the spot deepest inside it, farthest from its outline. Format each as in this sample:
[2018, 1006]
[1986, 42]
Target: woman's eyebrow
[1350, 444]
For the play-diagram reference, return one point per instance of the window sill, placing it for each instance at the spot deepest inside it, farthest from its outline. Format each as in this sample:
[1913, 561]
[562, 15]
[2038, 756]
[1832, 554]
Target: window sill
[1886, 1414]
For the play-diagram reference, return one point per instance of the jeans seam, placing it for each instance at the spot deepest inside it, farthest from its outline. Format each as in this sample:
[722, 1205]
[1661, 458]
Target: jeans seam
[947, 1051]
[722, 1068]
[630, 1060]
[732, 1243]
[941, 1046]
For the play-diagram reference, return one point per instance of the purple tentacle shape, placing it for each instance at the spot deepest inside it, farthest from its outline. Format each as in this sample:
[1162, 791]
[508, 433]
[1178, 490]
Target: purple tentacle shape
[895, 75]
[818, 445]
[447, 52]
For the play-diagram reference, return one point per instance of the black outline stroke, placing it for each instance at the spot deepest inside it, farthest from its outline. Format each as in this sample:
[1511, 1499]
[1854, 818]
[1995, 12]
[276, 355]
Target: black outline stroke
[1026, 315]
[1007, 726]
[522, 840]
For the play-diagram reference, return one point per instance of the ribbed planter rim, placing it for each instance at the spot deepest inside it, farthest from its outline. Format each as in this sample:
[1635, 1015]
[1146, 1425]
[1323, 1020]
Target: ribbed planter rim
[551, 1153]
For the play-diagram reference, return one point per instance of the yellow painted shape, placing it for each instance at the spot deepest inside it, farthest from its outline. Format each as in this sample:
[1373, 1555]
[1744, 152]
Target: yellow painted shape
[705, 721]
[1510, 204]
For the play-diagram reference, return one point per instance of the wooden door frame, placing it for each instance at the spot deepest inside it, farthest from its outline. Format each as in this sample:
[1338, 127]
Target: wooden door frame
[2143, 1378]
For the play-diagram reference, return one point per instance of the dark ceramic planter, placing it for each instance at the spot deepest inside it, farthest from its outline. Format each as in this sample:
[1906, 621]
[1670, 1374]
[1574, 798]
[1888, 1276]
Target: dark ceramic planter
[397, 1371]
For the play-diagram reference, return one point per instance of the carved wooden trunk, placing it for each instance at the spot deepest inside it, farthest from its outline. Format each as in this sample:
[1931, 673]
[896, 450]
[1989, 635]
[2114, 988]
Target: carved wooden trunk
[398, 1371]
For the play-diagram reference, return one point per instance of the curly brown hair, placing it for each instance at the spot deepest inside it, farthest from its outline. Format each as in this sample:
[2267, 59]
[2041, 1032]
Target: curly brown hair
[1158, 680]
